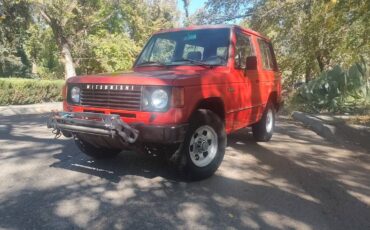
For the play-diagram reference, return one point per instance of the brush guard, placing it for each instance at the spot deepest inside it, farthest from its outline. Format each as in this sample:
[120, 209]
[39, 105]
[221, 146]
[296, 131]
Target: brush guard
[69, 124]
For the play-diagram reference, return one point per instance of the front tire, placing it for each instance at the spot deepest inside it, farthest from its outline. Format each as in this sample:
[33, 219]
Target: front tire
[204, 145]
[95, 152]
[263, 130]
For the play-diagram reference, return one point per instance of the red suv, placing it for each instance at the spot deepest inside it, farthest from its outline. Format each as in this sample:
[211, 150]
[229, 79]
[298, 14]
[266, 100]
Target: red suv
[188, 89]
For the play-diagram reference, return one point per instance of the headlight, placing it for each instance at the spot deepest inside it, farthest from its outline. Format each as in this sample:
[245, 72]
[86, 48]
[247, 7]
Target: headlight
[75, 94]
[159, 99]
[155, 98]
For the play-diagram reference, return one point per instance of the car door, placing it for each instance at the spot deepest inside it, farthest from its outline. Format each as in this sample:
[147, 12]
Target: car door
[244, 48]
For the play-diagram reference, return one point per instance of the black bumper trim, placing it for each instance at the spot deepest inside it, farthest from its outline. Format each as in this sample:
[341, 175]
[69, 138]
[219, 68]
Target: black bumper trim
[167, 134]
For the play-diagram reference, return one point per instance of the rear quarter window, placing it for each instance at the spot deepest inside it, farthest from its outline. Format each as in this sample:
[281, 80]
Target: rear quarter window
[267, 55]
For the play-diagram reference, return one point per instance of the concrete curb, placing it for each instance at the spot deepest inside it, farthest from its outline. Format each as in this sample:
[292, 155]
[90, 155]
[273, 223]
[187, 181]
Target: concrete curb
[30, 109]
[316, 125]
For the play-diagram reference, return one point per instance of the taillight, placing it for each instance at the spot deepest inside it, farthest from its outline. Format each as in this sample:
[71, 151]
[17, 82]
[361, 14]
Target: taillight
[178, 97]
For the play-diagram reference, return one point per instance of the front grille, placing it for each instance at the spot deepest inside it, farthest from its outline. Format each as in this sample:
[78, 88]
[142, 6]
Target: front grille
[127, 97]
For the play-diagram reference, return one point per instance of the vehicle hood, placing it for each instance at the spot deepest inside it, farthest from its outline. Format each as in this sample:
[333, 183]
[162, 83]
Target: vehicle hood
[176, 77]
[152, 77]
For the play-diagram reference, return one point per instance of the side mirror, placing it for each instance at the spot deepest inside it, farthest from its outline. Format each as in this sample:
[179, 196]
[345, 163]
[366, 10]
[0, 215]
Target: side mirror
[251, 63]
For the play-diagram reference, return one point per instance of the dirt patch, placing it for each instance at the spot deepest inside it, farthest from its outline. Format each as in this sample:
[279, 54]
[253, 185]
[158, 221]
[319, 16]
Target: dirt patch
[359, 120]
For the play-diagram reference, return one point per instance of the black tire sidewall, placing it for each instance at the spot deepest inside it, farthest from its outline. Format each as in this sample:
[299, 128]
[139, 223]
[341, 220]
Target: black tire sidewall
[272, 108]
[260, 132]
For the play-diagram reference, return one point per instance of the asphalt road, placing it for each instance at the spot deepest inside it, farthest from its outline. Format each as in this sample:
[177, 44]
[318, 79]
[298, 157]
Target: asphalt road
[296, 181]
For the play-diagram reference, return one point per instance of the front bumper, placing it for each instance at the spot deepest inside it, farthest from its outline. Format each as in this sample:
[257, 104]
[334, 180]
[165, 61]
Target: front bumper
[110, 128]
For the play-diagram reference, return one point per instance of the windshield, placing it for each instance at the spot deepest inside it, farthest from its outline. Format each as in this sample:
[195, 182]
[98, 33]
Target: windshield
[195, 47]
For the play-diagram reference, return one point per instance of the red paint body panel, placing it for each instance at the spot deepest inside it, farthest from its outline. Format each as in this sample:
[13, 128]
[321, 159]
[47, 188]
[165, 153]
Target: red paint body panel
[243, 93]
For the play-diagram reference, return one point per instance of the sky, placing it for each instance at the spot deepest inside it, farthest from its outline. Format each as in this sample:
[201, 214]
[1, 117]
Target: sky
[194, 5]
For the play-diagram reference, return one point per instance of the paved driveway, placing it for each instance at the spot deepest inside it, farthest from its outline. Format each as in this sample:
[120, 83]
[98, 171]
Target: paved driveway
[296, 181]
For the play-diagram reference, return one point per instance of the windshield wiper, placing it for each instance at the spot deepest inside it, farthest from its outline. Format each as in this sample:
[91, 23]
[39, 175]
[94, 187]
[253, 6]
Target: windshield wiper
[194, 62]
[150, 63]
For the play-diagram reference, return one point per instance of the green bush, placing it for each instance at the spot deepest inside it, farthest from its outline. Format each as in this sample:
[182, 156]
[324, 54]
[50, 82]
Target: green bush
[19, 91]
[336, 90]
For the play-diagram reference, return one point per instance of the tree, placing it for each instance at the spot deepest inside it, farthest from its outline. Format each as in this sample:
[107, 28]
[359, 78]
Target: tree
[309, 36]
[143, 17]
[223, 11]
[2, 16]
[14, 22]
[38, 37]
[68, 20]
[78, 27]
[114, 45]
[186, 8]
[42, 52]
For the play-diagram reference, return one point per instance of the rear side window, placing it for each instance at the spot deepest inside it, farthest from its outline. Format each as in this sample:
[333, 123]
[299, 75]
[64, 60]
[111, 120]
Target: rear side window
[222, 52]
[243, 49]
[191, 49]
[267, 55]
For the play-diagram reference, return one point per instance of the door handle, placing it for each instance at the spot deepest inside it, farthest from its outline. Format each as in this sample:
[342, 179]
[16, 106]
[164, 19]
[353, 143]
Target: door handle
[231, 89]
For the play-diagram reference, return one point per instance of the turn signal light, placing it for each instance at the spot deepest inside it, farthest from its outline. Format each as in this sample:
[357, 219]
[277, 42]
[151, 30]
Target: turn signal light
[178, 99]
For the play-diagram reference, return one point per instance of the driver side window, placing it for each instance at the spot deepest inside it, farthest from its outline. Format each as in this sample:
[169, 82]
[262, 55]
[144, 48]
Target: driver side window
[243, 49]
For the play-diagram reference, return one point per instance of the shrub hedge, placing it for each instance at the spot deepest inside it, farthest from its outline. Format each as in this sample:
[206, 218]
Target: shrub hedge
[20, 91]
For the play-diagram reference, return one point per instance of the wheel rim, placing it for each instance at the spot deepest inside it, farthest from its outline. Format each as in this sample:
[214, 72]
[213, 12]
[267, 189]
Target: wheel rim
[269, 121]
[203, 146]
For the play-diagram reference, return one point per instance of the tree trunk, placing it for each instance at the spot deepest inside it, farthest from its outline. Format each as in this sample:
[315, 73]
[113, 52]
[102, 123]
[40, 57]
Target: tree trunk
[34, 68]
[186, 8]
[308, 76]
[69, 68]
[62, 42]
[320, 62]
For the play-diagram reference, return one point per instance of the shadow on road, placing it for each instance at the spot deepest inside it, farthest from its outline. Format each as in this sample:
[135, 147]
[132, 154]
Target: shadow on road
[334, 200]
[268, 186]
[127, 163]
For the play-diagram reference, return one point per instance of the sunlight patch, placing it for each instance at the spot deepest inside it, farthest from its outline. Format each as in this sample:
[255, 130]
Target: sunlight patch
[80, 210]
[279, 221]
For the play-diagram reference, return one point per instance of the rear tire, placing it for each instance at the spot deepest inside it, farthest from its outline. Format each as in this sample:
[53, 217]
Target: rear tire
[263, 130]
[95, 152]
[204, 147]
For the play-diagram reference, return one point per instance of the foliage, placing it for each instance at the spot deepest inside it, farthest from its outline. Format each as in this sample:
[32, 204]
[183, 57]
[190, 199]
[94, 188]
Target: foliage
[311, 39]
[14, 22]
[44, 56]
[144, 17]
[112, 52]
[70, 22]
[336, 90]
[224, 11]
[309, 36]
[114, 45]
[186, 4]
[49, 39]
[17, 91]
